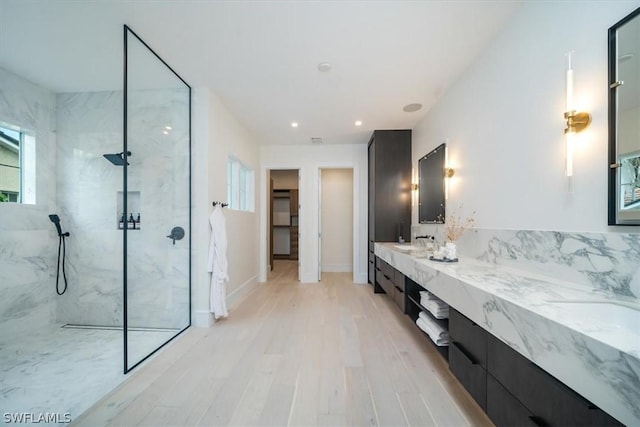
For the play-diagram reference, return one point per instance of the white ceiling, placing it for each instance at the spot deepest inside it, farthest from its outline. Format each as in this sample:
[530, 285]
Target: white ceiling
[261, 57]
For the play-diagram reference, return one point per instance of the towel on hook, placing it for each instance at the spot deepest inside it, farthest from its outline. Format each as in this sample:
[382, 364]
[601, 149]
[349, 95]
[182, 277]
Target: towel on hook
[217, 264]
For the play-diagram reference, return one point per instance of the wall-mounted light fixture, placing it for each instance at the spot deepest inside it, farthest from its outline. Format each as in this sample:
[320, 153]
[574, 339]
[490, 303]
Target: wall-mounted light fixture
[448, 170]
[576, 121]
[414, 186]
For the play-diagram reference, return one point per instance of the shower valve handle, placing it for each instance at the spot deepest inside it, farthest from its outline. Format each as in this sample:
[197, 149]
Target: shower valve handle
[177, 233]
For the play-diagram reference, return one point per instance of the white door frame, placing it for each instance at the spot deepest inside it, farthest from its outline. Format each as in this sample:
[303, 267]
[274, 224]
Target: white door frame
[356, 209]
[263, 256]
[304, 228]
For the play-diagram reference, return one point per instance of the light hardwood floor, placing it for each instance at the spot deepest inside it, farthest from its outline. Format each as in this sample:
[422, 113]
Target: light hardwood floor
[323, 354]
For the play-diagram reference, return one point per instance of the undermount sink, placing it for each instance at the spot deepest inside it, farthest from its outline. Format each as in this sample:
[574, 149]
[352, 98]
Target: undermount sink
[617, 314]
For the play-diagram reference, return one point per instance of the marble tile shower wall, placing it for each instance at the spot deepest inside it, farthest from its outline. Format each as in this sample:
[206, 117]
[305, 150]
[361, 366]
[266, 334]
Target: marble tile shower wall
[27, 240]
[599, 262]
[90, 125]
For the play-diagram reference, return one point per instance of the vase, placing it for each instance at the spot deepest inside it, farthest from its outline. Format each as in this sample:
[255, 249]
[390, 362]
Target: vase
[450, 250]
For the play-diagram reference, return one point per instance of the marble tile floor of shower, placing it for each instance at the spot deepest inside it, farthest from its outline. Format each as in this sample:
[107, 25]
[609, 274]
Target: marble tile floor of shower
[63, 370]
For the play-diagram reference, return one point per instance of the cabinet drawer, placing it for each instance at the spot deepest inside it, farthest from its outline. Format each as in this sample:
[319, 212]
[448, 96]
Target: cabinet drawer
[372, 246]
[398, 279]
[470, 374]
[386, 269]
[504, 409]
[372, 257]
[399, 297]
[385, 283]
[547, 398]
[469, 336]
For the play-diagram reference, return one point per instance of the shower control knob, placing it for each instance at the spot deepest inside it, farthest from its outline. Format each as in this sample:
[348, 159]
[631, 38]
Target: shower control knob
[177, 233]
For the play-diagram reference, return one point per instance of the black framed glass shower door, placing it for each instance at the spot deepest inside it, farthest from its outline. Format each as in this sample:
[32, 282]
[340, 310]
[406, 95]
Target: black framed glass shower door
[156, 202]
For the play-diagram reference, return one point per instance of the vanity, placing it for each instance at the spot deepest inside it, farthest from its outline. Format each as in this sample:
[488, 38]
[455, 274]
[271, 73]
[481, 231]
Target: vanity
[529, 348]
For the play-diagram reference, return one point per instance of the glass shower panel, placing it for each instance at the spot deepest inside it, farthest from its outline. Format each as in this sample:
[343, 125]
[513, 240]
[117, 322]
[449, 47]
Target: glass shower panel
[155, 213]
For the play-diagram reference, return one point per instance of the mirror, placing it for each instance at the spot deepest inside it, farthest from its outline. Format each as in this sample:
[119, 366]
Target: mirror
[431, 200]
[624, 121]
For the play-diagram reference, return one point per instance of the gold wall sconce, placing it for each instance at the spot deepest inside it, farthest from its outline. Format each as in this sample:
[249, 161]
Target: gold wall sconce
[414, 187]
[449, 172]
[577, 121]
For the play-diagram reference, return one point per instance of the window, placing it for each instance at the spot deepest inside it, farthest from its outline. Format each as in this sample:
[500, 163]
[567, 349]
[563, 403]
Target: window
[17, 165]
[240, 186]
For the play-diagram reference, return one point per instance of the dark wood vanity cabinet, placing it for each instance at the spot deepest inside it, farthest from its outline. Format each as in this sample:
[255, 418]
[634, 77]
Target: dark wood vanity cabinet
[468, 356]
[389, 189]
[549, 400]
[512, 390]
[390, 281]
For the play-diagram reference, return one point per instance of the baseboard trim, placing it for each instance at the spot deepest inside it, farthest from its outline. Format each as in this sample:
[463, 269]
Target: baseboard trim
[236, 297]
[204, 318]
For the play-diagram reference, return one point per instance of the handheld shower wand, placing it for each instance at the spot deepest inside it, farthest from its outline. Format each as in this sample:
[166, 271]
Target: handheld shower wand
[55, 219]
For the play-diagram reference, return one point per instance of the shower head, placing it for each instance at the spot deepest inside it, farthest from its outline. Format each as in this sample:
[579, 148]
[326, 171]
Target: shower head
[118, 158]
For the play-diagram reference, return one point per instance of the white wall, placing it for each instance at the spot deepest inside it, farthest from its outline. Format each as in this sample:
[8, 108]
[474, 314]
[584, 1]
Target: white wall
[504, 121]
[308, 159]
[337, 220]
[218, 134]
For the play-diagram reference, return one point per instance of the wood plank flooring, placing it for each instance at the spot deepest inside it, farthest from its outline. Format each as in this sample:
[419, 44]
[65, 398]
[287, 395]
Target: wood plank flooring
[323, 354]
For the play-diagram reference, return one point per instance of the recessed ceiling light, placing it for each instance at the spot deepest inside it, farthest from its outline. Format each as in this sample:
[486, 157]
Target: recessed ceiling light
[294, 124]
[410, 108]
[168, 127]
[324, 67]
[358, 123]
[166, 132]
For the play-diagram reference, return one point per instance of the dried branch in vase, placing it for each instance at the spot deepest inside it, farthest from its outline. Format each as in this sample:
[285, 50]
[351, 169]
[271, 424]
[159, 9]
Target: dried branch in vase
[455, 226]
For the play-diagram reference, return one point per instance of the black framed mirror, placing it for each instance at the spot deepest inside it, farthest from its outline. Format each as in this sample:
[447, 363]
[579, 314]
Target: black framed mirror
[624, 121]
[431, 186]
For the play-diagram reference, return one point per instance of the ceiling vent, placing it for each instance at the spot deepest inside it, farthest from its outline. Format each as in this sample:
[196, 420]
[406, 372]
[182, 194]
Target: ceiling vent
[316, 140]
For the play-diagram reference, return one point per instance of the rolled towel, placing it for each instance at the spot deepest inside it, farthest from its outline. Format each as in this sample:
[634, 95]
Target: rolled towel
[439, 341]
[435, 329]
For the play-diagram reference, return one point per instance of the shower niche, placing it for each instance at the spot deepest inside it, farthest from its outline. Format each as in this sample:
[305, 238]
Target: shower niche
[131, 220]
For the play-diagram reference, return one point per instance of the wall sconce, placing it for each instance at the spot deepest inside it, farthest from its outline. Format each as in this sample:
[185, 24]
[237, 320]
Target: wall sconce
[576, 122]
[414, 187]
[448, 171]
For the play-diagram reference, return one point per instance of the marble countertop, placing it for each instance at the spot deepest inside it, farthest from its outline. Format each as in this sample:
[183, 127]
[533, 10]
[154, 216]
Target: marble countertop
[588, 340]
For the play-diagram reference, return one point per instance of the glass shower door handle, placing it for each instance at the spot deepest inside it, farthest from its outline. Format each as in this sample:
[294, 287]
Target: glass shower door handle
[177, 233]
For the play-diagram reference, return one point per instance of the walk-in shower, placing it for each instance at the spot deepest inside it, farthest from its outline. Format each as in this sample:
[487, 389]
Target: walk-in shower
[127, 290]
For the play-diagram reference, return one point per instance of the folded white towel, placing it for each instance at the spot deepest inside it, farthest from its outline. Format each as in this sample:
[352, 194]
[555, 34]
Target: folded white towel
[439, 341]
[428, 295]
[438, 309]
[435, 328]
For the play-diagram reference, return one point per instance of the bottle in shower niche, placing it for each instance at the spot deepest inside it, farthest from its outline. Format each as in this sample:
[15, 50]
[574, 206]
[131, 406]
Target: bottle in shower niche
[131, 224]
[138, 220]
[121, 222]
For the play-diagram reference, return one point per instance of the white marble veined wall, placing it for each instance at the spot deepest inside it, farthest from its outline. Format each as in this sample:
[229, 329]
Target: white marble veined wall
[27, 244]
[603, 262]
[90, 125]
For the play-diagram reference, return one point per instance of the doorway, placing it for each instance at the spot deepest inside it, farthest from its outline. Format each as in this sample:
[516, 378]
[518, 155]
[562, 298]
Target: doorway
[284, 206]
[335, 225]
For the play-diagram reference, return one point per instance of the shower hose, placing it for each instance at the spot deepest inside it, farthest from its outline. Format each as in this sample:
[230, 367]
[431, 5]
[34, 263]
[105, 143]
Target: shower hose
[62, 248]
